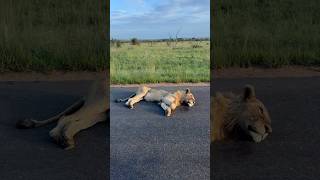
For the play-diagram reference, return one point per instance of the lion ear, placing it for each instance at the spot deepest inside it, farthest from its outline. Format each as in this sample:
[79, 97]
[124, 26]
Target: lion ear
[249, 92]
[188, 91]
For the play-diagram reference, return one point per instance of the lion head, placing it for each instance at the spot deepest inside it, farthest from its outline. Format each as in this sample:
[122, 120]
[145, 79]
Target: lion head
[235, 117]
[254, 117]
[188, 98]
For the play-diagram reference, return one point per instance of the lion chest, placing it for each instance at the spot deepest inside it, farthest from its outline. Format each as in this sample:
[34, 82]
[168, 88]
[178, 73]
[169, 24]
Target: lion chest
[169, 99]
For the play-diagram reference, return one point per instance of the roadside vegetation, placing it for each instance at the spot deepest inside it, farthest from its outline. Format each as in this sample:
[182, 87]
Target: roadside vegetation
[265, 33]
[53, 35]
[169, 60]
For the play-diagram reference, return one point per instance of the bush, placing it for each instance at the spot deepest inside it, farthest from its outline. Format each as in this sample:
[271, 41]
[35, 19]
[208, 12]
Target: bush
[134, 41]
[118, 44]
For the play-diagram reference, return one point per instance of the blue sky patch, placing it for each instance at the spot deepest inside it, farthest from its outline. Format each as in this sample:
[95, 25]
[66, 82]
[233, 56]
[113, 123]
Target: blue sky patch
[155, 19]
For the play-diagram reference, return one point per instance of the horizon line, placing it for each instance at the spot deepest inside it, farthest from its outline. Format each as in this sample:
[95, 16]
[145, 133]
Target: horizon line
[128, 39]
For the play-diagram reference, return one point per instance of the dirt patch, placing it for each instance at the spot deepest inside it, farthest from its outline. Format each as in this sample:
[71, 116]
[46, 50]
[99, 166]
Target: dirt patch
[290, 71]
[50, 76]
[164, 84]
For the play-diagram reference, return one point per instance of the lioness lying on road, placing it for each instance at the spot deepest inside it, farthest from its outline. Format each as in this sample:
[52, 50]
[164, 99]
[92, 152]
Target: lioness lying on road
[168, 101]
[81, 115]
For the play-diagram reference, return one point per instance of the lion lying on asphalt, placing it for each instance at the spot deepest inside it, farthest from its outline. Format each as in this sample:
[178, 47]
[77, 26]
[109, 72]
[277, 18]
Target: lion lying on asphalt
[233, 116]
[168, 101]
[81, 115]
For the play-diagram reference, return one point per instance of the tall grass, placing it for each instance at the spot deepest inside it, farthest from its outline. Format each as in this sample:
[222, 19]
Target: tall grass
[269, 33]
[189, 61]
[44, 35]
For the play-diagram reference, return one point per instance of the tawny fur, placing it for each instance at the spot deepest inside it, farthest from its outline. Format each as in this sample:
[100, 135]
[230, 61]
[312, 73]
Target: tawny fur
[233, 115]
[167, 100]
[83, 114]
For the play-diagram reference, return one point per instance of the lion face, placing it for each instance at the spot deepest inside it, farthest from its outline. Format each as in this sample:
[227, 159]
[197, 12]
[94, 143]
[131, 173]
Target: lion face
[189, 99]
[254, 118]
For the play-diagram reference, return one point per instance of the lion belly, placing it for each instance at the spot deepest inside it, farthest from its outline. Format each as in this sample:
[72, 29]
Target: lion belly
[155, 95]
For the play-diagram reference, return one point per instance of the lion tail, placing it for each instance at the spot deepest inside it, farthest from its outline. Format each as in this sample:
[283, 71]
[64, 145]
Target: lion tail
[32, 123]
[124, 99]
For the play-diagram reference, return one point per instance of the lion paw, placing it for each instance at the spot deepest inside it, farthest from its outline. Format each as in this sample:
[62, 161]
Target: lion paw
[62, 140]
[54, 135]
[130, 106]
[168, 112]
[66, 142]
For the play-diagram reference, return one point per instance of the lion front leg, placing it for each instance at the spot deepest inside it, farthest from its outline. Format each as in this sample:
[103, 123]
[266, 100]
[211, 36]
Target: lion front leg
[166, 109]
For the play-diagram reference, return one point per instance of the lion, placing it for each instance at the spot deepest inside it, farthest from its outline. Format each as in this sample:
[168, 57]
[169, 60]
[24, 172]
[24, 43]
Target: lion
[81, 115]
[236, 117]
[167, 100]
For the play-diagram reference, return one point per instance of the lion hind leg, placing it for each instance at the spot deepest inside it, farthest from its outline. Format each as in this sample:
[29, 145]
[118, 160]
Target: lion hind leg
[68, 126]
[130, 103]
[139, 96]
[71, 129]
[56, 132]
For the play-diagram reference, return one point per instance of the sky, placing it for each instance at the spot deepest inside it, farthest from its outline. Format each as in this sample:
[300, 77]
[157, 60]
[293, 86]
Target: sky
[158, 19]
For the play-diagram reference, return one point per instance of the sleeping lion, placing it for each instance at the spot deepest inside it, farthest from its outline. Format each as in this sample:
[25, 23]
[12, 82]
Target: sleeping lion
[237, 117]
[167, 100]
[83, 114]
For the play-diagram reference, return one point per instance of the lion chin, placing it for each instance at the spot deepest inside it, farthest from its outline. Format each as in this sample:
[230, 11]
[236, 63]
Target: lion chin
[190, 104]
[256, 137]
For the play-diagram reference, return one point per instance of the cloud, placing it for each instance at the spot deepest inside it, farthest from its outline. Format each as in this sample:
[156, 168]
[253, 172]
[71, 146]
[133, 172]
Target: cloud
[164, 16]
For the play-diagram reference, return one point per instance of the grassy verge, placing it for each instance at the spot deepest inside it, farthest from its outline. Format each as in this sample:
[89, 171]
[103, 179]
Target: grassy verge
[188, 61]
[265, 33]
[53, 35]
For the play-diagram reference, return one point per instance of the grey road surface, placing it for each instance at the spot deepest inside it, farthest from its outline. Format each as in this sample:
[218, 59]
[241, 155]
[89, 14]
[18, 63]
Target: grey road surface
[292, 151]
[147, 145]
[30, 154]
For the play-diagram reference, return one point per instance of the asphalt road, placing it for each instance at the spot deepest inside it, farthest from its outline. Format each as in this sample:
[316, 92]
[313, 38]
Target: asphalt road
[30, 154]
[292, 151]
[147, 145]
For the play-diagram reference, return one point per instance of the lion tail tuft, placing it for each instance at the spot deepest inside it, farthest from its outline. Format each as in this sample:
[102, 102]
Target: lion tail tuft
[124, 99]
[26, 124]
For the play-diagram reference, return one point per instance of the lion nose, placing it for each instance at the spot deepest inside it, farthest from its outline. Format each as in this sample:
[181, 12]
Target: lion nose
[268, 128]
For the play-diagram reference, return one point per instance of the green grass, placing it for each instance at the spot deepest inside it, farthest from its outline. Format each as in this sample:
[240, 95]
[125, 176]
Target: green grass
[268, 33]
[146, 63]
[45, 35]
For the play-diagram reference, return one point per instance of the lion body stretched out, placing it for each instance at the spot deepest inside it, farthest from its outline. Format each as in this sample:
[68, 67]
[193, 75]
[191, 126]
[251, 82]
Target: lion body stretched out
[233, 116]
[167, 100]
[81, 115]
